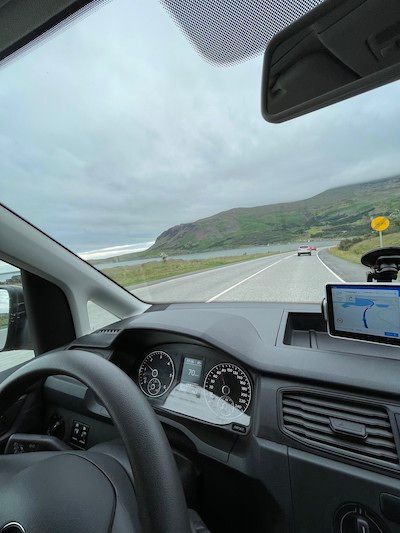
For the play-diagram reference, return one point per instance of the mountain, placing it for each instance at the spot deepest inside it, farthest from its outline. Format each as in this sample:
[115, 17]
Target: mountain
[340, 212]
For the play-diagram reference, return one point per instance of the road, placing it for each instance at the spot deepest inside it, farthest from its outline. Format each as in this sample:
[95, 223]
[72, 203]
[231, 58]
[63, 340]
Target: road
[280, 278]
[284, 277]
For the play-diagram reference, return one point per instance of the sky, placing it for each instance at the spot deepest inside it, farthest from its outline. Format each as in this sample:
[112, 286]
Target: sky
[116, 129]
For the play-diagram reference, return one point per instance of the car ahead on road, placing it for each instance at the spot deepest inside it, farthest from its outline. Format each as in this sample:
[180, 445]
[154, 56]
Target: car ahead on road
[146, 389]
[313, 248]
[304, 249]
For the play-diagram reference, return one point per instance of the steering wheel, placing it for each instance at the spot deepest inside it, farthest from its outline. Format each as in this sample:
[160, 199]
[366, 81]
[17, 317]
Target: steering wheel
[87, 492]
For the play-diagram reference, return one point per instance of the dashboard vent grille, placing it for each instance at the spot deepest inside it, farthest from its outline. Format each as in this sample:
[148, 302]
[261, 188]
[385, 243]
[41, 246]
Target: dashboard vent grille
[113, 331]
[355, 429]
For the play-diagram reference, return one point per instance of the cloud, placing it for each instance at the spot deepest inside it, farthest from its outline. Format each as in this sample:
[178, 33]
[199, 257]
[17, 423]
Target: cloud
[112, 251]
[116, 129]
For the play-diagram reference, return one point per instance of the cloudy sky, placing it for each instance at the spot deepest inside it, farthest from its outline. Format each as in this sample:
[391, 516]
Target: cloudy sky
[116, 129]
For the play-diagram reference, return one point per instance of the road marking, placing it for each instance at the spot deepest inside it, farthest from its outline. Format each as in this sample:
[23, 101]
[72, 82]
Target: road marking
[248, 277]
[211, 270]
[330, 270]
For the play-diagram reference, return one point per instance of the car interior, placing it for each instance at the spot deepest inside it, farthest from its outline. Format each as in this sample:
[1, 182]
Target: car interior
[220, 416]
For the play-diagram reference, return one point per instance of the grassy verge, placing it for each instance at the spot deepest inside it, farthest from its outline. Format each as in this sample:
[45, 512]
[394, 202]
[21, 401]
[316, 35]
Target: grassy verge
[355, 251]
[159, 270]
[345, 254]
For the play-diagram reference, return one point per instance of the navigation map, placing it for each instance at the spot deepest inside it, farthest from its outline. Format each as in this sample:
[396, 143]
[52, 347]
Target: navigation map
[371, 311]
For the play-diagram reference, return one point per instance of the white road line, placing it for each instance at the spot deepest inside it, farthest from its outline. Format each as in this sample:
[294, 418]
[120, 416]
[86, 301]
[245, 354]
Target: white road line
[248, 277]
[205, 272]
[330, 270]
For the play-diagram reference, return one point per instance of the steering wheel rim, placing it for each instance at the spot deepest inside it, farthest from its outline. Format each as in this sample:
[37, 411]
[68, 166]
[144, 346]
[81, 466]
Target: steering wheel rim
[160, 498]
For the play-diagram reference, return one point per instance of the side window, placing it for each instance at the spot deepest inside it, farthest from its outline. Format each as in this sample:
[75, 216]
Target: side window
[15, 345]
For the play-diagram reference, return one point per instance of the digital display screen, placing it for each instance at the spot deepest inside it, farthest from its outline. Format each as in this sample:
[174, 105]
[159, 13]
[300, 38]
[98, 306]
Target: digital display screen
[192, 370]
[366, 312]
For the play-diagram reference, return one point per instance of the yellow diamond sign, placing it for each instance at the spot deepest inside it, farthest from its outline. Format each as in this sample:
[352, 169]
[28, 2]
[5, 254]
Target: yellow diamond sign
[380, 223]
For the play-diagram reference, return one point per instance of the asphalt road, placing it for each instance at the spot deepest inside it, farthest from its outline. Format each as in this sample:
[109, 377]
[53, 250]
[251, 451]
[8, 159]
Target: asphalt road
[283, 278]
[280, 278]
[350, 272]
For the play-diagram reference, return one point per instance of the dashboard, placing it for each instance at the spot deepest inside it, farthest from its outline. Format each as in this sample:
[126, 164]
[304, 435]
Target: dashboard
[197, 382]
[262, 402]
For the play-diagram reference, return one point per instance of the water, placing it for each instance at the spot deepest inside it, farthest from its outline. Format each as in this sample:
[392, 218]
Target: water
[273, 248]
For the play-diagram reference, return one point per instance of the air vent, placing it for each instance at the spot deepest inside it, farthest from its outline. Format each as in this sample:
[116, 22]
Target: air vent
[112, 331]
[343, 426]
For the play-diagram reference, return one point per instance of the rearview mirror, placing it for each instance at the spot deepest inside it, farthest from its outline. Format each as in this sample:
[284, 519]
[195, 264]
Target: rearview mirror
[340, 49]
[14, 334]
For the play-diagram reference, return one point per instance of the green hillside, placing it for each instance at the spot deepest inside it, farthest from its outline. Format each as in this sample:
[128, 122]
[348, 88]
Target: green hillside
[353, 252]
[336, 213]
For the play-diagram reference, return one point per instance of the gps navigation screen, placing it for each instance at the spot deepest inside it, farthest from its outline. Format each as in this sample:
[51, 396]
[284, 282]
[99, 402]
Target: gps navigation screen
[365, 312]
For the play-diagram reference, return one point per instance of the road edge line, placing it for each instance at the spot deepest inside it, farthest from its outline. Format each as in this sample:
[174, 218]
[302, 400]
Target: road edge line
[176, 277]
[246, 279]
[330, 270]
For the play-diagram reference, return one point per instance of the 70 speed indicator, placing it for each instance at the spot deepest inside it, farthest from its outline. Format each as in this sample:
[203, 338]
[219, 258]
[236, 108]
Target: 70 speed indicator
[228, 390]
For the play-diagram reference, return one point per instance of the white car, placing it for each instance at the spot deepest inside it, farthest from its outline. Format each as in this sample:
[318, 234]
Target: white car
[304, 249]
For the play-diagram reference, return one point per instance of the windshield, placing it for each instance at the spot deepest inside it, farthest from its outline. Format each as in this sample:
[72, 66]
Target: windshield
[154, 164]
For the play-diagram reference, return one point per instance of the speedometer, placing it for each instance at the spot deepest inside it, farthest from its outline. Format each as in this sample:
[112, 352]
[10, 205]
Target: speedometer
[156, 373]
[228, 390]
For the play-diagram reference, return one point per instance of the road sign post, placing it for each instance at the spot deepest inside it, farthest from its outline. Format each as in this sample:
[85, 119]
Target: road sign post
[380, 224]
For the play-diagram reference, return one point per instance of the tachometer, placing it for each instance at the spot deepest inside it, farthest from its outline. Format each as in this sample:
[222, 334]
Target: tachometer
[228, 390]
[156, 373]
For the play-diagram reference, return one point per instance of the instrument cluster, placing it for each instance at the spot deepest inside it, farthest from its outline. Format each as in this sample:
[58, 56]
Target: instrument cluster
[197, 382]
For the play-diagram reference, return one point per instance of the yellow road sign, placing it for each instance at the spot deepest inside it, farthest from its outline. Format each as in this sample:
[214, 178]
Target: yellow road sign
[380, 223]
